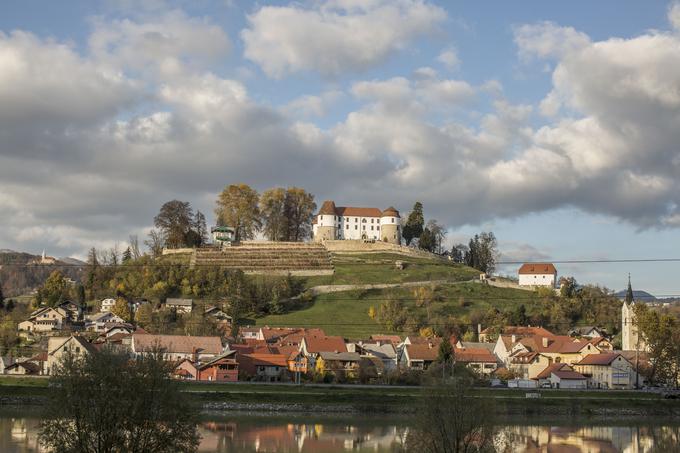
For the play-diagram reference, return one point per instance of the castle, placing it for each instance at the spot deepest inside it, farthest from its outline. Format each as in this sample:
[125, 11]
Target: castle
[346, 222]
[630, 338]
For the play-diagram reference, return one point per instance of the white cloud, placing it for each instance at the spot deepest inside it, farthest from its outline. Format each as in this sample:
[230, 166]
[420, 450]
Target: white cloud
[313, 106]
[449, 58]
[547, 39]
[334, 37]
[674, 15]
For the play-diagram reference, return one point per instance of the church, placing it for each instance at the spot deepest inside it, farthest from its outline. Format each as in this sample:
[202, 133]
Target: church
[631, 340]
[353, 223]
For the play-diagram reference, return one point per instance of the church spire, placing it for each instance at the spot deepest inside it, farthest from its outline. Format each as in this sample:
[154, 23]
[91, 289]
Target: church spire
[629, 292]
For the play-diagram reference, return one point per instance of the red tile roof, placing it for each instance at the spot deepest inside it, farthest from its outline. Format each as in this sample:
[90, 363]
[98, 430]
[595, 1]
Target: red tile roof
[565, 374]
[357, 212]
[520, 331]
[178, 343]
[394, 339]
[316, 344]
[545, 374]
[422, 351]
[599, 359]
[477, 355]
[537, 268]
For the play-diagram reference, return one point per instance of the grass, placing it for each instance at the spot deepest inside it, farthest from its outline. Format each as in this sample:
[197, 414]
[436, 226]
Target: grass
[346, 313]
[380, 268]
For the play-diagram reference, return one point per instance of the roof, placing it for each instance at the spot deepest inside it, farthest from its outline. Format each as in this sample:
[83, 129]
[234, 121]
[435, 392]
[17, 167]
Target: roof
[394, 339]
[177, 343]
[29, 366]
[518, 331]
[385, 350]
[316, 344]
[181, 302]
[537, 268]
[599, 359]
[80, 340]
[545, 374]
[469, 355]
[471, 344]
[390, 212]
[566, 374]
[422, 351]
[357, 212]
[327, 208]
[342, 356]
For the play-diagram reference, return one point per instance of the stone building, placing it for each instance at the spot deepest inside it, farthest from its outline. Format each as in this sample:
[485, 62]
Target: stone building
[347, 222]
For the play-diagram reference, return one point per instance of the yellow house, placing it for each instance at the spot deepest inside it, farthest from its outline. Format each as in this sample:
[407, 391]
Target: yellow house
[57, 347]
[338, 362]
[607, 371]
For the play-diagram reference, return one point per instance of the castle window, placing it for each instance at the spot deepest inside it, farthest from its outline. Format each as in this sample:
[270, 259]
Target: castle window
[371, 227]
[372, 220]
[392, 219]
[356, 227]
[377, 227]
[363, 220]
[347, 227]
[356, 219]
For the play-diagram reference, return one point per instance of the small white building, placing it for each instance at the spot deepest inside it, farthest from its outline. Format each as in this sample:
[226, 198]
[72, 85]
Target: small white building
[180, 305]
[106, 305]
[222, 235]
[538, 274]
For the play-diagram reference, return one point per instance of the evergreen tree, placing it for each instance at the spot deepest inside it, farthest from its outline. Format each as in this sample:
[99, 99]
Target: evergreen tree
[2, 297]
[427, 241]
[200, 228]
[127, 255]
[80, 295]
[413, 228]
[445, 352]
[9, 306]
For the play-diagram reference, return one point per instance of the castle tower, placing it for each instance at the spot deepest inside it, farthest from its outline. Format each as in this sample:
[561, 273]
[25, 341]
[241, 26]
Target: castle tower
[326, 222]
[390, 228]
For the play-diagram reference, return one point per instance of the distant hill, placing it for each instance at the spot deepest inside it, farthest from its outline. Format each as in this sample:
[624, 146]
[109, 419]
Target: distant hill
[72, 261]
[637, 295]
[17, 277]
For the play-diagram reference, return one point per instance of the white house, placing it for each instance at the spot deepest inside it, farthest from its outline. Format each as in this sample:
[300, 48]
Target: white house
[181, 305]
[107, 304]
[101, 322]
[347, 222]
[537, 274]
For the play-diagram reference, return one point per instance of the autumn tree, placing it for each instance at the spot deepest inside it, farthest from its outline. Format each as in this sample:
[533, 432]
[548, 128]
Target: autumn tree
[414, 225]
[144, 315]
[482, 252]
[121, 309]
[155, 242]
[107, 403]
[660, 334]
[175, 221]
[299, 208]
[237, 207]
[272, 209]
[55, 290]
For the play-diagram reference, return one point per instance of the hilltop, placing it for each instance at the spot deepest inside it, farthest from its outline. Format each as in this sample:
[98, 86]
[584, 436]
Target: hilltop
[19, 276]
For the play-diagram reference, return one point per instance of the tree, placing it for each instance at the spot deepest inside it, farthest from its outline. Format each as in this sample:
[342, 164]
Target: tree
[107, 403]
[568, 287]
[134, 247]
[175, 221]
[415, 222]
[55, 290]
[482, 252]
[155, 243]
[121, 309]
[237, 207]
[127, 255]
[299, 209]
[2, 297]
[200, 229]
[392, 314]
[272, 209]
[659, 333]
[450, 420]
[144, 315]
[438, 234]
[80, 296]
[445, 352]
[458, 253]
[427, 241]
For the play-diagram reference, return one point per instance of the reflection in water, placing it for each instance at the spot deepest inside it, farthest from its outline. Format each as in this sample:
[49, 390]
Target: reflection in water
[265, 435]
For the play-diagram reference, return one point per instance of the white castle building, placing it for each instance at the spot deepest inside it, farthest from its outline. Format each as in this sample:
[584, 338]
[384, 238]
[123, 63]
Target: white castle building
[346, 222]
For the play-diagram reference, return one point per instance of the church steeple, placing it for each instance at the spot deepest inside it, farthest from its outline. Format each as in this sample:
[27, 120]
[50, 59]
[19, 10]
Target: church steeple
[629, 292]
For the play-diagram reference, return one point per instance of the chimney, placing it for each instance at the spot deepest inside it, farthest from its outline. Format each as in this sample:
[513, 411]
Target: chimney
[513, 338]
[545, 342]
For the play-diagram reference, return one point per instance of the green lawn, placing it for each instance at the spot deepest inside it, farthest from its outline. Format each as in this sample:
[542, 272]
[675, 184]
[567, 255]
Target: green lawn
[346, 313]
[380, 268]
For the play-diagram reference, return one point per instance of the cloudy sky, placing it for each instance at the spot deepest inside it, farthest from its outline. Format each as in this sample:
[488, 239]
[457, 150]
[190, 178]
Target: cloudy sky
[554, 124]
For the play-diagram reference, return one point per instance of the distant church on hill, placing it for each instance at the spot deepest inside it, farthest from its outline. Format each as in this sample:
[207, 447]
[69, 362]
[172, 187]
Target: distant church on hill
[347, 222]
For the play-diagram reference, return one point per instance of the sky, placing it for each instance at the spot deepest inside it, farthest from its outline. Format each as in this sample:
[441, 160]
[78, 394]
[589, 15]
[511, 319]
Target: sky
[556, 125]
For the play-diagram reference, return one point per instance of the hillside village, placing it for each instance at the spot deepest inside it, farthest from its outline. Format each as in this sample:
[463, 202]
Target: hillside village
[524, 356]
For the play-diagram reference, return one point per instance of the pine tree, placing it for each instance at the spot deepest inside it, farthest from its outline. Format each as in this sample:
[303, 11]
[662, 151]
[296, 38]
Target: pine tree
[127, 255]
[445, 353]
[415, 223]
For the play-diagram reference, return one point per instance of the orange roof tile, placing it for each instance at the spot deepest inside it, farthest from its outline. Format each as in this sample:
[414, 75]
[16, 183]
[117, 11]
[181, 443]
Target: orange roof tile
[178, 343]
[469, 355]
[537, 268]
[422, 351]
[316, 344]
[599, 359]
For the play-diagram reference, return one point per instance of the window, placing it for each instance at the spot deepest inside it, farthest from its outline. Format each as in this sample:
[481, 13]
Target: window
[347, 226]
[371, 227]
[364, 228]
[372, 220]
[363, 220]
[392, 219]
[356, 227]
[356, 219]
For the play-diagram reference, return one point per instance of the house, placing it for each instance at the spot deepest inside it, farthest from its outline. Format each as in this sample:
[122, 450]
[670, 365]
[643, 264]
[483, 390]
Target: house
[177, 347]
[222, 234]
[23, 368]
[223, 368]
[385, 352]
[491, 334]
[45, 319]
[561, 376]
[107, 304]
[419, 356]
[480, 360]
[102, 321]
[5, 361]
[394, 339]
[528, 365]
[347, 222]
[537, 274]
[217, 314]
[313, 345]
[558, 348]
[72, 309]
[607, 371]
[180, 305]
[57, 347]
[338, 364]
[587, 332]
[265, 367]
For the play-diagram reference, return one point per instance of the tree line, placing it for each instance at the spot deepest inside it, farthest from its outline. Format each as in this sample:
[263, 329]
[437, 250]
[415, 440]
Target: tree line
[280, 214]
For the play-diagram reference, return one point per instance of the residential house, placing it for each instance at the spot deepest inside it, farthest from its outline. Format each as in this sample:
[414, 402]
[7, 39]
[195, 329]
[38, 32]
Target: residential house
[107, 304]
[265, 367]
[587, 332]
[609, 370]
[45, 319]
[537, 274]
[223, 368]
[340, 364]
[102, 321]
[218, 315]
[491, 334]
[73, 310]
[180, 305]
[480, 360]
[384, 351]
[394, 339]
[5, 361]
[561, 376]
[23, 368]
[57, 347]
[527, 365]
[178, 347]
[558, 348]
[419, 355]
[312, 345]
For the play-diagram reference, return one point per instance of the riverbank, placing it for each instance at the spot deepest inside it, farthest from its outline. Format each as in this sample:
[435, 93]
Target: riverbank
[354, 399]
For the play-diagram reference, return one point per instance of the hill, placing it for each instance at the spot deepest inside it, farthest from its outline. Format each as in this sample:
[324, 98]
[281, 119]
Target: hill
[19, 276]
[637, 295]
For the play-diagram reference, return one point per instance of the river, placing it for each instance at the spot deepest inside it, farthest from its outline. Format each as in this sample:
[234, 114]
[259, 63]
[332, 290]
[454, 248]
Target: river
[248, 433]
